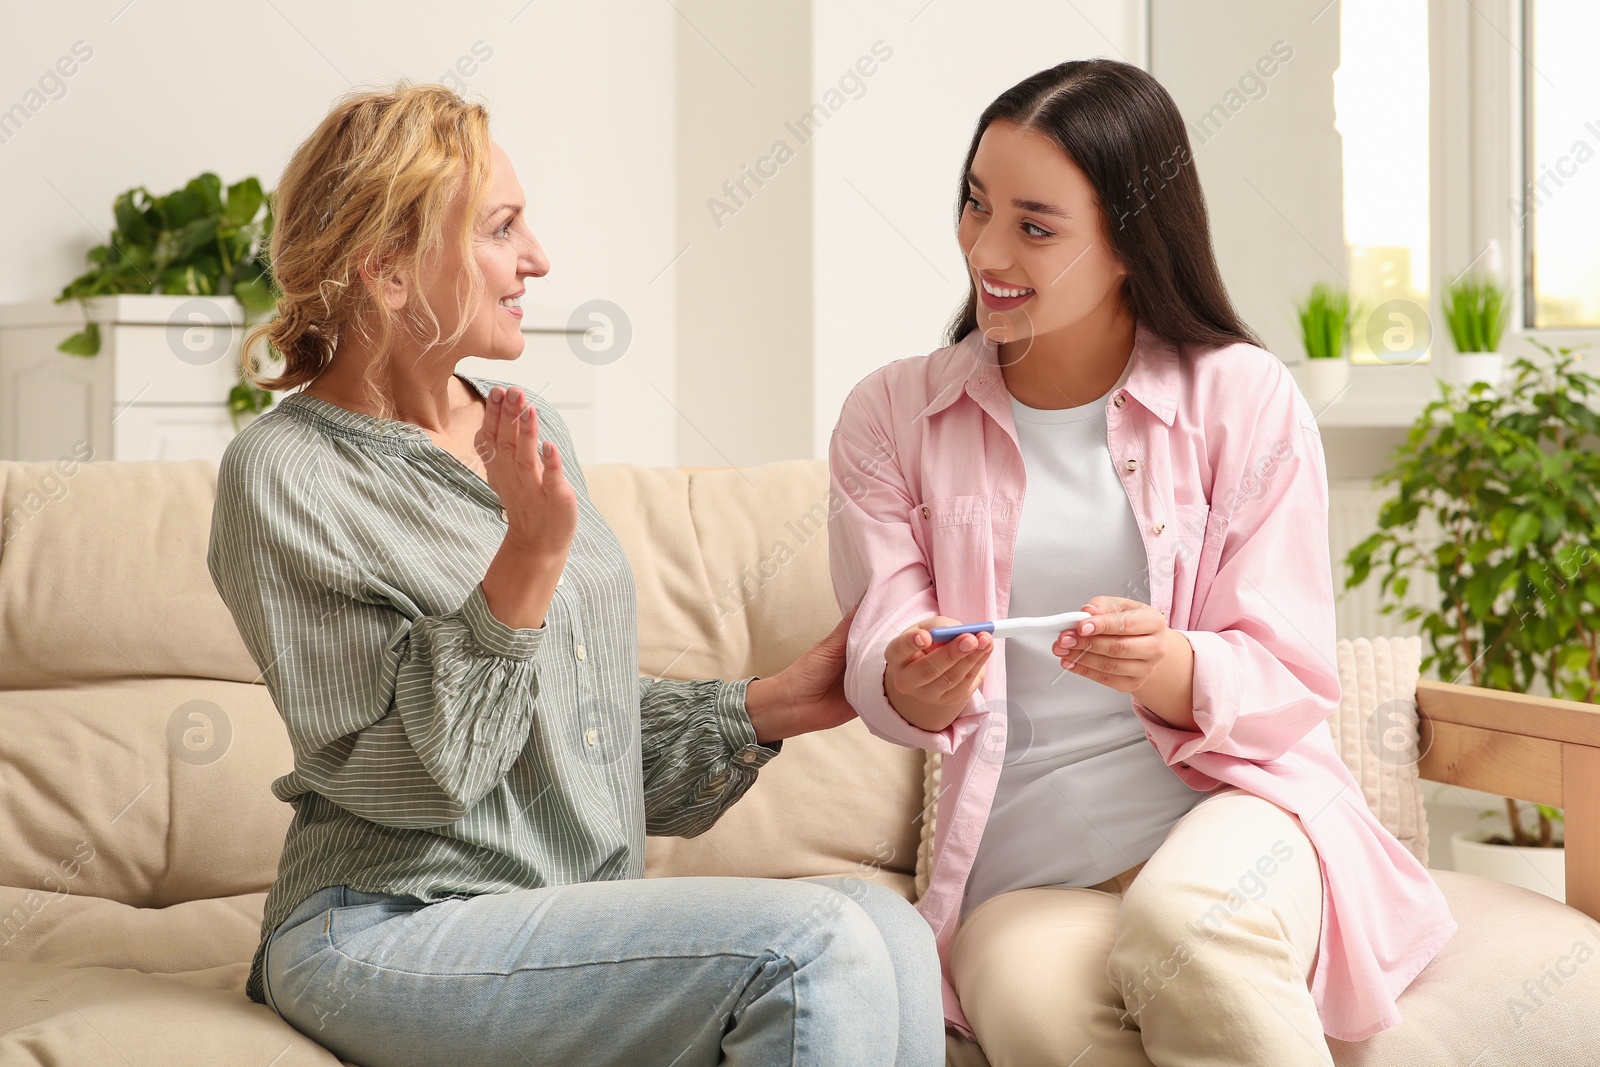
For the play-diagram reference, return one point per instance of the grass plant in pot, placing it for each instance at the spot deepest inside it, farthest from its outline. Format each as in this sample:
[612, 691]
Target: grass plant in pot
[1325, 320]
[1495, 504]
[1476, 310]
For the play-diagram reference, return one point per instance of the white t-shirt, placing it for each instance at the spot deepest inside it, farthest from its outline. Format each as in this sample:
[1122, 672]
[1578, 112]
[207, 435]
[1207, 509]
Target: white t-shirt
[1083, 795]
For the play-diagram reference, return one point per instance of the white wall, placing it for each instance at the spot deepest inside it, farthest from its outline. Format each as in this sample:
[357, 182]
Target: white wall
[580, 95]
[744, 231]
[1270, 160]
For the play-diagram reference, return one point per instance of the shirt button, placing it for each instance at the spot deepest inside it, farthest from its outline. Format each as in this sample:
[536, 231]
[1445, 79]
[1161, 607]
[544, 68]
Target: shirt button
[1117, 400]
[925, 512]
[502, 512]
[1159, 527]
[579, 653]
[747, 757]
[592, 736]
[619, 824]
[1133, 464]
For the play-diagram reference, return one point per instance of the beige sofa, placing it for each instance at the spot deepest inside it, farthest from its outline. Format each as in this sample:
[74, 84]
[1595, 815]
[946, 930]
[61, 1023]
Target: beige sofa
[139, 835]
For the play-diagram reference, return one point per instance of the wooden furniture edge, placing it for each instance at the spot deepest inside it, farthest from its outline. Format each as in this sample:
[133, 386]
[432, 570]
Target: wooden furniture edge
[1532, 748]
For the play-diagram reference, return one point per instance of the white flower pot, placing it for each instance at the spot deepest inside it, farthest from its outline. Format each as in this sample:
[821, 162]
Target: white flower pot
[1469, 367]
[1323, 379]
[1543, 870]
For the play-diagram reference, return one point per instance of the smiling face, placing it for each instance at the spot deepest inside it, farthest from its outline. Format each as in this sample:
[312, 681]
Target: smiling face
[504, 251]
[1034, 237]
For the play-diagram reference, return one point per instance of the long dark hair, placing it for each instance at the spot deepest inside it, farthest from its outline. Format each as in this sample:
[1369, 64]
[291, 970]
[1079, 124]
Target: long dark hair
[1121, 128]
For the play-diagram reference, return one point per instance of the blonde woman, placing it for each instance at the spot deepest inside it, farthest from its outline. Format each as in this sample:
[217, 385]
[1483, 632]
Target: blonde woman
[448, 628]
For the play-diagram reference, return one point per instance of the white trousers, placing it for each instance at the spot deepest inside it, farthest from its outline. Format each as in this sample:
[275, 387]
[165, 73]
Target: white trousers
[1201, 955]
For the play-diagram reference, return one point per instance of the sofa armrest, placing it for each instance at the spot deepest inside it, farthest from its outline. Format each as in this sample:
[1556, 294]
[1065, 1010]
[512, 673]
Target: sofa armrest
[1537, 749]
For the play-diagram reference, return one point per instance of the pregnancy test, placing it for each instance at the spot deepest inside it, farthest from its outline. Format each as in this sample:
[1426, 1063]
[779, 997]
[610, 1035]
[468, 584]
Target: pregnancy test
[1044, 624]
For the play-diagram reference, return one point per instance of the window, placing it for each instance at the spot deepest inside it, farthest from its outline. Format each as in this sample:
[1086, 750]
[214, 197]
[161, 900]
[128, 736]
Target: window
[1380, 96]
[1558, 211]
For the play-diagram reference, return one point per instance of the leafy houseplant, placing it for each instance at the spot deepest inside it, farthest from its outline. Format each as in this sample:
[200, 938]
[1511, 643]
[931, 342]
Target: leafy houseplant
[200, 240]
[1476, 310]
[1510, 483]
[1325, 320]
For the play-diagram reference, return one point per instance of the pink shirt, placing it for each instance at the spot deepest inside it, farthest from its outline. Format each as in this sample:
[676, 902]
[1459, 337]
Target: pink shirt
[1223, 464]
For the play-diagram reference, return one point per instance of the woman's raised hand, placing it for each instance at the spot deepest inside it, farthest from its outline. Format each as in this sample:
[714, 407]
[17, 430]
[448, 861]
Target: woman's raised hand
[541, 505]
[929, 683]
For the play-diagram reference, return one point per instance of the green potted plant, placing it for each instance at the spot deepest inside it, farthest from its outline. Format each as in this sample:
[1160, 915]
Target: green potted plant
[200, 240]
[1495, 503]
[1476, 310]
[1325, 320]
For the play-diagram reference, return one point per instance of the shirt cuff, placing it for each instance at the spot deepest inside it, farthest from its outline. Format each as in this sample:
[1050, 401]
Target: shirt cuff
[733, 721]
[1216, 702]
[494, 636]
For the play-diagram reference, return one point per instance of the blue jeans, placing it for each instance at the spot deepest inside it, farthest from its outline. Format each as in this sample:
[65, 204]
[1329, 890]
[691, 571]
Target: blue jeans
[679, 971]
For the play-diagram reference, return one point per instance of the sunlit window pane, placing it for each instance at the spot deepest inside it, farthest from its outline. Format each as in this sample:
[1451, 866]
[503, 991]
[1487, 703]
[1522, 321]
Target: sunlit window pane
[1560, 206]
[1380, 95]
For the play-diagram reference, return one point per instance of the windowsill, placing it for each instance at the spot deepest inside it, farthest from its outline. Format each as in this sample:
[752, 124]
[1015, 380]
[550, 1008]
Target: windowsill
[1351, 412]
[1378, 395]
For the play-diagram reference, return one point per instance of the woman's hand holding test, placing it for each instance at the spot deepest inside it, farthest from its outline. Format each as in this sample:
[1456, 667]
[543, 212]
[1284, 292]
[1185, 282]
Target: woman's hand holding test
[1129, 647]
[929, 682]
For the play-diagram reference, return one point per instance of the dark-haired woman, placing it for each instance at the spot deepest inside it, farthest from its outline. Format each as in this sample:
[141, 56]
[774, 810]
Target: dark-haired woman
[1147, 845]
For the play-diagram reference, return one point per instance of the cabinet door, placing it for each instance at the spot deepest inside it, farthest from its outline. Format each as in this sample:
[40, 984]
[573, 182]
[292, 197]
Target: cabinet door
[171, 431]
[50, 402]
[184, 361]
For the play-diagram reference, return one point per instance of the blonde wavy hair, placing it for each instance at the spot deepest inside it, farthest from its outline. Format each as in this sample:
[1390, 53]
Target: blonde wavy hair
[370, 188]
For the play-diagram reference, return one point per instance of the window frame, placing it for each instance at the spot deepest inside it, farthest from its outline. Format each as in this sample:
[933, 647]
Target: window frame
[1480, 146]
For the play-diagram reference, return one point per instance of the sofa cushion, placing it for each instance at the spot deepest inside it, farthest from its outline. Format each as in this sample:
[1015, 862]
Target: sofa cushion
[1517, 984]
[732, 572]
[832, 803]
[764, 538]
[731, 565]
[1375, 730]
[145, 792]
[648, 509]
[103, 575]
[205, 937]
[59, 1015]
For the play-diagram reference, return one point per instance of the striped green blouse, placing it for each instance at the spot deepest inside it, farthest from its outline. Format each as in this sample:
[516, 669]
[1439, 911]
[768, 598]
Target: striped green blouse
[437, 751]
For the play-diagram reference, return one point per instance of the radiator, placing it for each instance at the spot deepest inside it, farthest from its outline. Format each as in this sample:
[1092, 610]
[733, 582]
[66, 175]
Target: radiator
[1352, 516]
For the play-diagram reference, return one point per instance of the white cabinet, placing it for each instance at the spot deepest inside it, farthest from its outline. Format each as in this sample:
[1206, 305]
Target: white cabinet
[159, 387]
